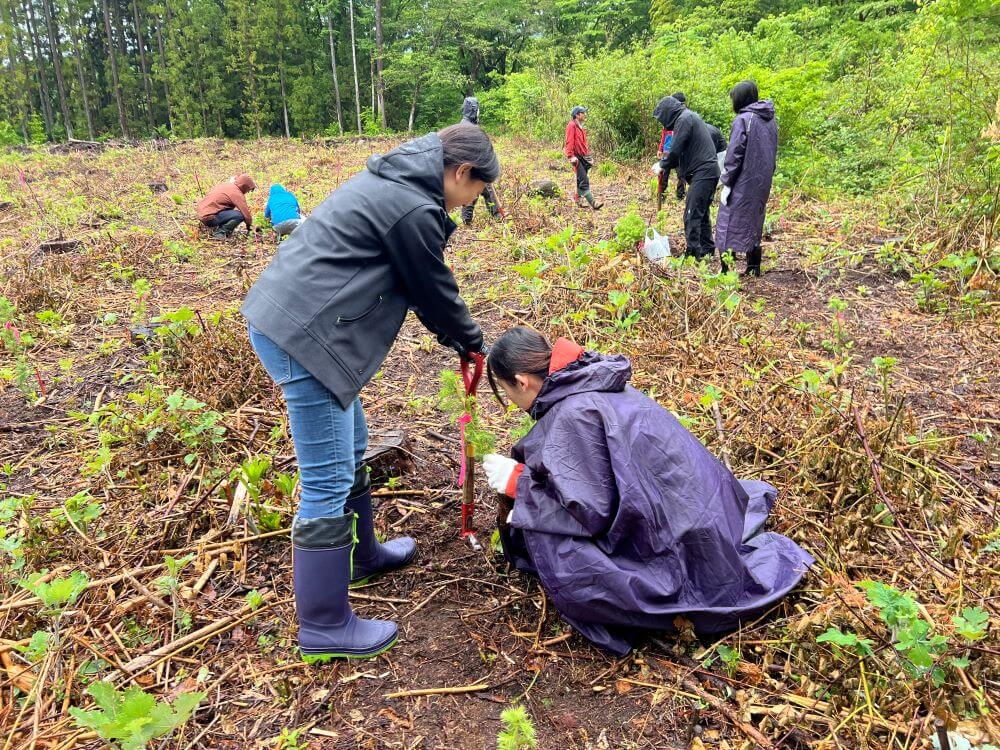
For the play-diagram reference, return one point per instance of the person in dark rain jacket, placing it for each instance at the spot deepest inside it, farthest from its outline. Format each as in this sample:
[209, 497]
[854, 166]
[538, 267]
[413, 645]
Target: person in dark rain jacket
[470, 116]
[693, 154]
[625, 517]
[667, 138]
[746, 179]
[322, 318]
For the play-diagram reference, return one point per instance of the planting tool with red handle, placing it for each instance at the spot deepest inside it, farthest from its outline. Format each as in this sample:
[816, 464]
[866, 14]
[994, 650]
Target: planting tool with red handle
[471, 369]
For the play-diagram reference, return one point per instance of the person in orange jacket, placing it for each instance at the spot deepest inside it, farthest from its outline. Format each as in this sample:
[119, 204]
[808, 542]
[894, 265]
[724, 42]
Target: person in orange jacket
[225, 207]
[578, 153]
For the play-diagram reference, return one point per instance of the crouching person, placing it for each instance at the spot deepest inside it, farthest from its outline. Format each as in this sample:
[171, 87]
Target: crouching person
[282, 210]
[225, 207]
[627, 519]
[322, 317]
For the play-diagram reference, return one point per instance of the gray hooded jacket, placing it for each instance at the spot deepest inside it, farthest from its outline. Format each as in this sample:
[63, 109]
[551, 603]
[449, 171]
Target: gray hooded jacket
[337, 291]
[470, 110]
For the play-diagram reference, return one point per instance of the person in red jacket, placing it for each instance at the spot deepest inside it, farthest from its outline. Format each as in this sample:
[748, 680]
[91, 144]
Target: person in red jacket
[578, 153]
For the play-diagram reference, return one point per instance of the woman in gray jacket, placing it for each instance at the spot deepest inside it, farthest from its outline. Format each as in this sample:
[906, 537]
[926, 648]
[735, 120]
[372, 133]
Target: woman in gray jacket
[322, 317]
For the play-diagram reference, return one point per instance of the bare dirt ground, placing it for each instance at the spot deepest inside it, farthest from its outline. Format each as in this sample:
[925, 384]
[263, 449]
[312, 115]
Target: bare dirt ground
[887, 474]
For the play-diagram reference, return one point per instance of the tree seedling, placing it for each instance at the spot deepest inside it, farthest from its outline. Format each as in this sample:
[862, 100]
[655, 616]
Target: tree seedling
[131, 719]
[518, 732]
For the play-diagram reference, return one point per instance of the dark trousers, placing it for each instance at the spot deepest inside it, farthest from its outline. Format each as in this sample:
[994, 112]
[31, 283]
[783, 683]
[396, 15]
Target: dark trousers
[680, 183]
[222, 217]
[697, 219]
[582, 180]
[489, 197]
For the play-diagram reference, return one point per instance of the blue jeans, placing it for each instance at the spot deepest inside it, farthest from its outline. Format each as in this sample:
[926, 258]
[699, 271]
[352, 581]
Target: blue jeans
[222, 217]
[330, 441]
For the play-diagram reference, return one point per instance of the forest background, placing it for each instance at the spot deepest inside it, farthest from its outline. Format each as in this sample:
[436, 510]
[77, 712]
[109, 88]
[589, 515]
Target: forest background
[891, 99]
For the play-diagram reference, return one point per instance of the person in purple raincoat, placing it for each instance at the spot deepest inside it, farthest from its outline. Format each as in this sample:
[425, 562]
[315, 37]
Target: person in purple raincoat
[627, 519]
[746, 177]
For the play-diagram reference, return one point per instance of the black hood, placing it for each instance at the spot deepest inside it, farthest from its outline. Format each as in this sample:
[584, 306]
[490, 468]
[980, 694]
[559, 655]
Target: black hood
[667, 110]
[418, 163]
[470, 110]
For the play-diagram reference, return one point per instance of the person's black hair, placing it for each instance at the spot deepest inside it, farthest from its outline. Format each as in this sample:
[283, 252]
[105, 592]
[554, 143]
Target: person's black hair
[679, 96]
[519, 350]
[743, 95]
[469, 144]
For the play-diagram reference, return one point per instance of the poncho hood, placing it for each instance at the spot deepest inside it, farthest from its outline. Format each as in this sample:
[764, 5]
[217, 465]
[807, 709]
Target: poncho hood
[574, 370]
[667, 111]
[416, 164]
[763, 109]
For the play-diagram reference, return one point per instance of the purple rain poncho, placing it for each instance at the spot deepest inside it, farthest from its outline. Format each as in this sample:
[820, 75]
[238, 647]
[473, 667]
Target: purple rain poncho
[629, 521]
[747, 172]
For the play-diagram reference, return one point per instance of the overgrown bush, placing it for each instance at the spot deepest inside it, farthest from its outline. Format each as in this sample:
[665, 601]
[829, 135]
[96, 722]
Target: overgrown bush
[893, 103]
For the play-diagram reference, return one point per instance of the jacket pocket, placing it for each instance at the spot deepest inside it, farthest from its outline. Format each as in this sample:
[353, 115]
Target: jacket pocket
[343, 319]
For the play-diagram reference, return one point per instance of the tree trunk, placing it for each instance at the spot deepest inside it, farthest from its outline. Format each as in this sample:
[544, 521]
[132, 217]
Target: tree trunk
[284, 99]
[333, 68]
[116, 17]
[163, 67]
[354, 64]
[371, 83]
[379, 53]
[74, 25]
[16, 58]
[43, 83]
[50, 25]
[113, 59]
[413, 107]
[141, 44]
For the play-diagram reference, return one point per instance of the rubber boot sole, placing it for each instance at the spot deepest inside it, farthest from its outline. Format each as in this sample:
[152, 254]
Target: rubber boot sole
[327, 656]
[362, 581]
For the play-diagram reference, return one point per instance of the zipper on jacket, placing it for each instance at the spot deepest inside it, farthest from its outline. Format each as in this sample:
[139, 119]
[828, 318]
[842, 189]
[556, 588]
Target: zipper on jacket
[369, 311]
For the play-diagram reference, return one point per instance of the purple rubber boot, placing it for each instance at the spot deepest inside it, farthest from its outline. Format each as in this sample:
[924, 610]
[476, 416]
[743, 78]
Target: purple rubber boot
[372, 557]
[321, 561]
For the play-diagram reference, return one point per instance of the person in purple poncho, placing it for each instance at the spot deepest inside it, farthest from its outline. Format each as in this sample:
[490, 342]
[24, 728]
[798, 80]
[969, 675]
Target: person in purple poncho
[746, 177]
[627, 519]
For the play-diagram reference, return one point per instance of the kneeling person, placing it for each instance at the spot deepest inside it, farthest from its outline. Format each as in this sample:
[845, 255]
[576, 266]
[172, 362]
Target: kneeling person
[225, 207]
[282, 210]
[627, 519]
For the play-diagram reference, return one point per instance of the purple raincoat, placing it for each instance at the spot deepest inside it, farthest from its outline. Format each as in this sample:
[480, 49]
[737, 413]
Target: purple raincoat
[629, 521]
[749, 168]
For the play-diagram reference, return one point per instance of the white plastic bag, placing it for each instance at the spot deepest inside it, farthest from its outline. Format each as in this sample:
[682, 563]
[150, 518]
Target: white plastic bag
[656, 246]
[721, 156]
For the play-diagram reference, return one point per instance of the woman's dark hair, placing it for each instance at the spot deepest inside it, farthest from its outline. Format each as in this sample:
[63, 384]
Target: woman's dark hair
[521, 349]
[743, 95]
[468, 144]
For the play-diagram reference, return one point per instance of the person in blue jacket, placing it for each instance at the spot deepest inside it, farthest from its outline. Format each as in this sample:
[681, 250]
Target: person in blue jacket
[283, 210]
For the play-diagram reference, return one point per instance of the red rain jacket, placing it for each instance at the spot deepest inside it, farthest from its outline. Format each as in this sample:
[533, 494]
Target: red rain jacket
[576, 140]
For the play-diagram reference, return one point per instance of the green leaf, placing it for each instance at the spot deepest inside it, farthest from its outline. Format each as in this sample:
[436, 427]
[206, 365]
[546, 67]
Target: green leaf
[920, 657]
[972, 624]
[846, 640]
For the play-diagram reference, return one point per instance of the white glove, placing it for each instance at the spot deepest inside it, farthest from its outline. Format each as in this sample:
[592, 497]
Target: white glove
[656, 168]
[498, 470]
[573, 160]
[724, 198]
